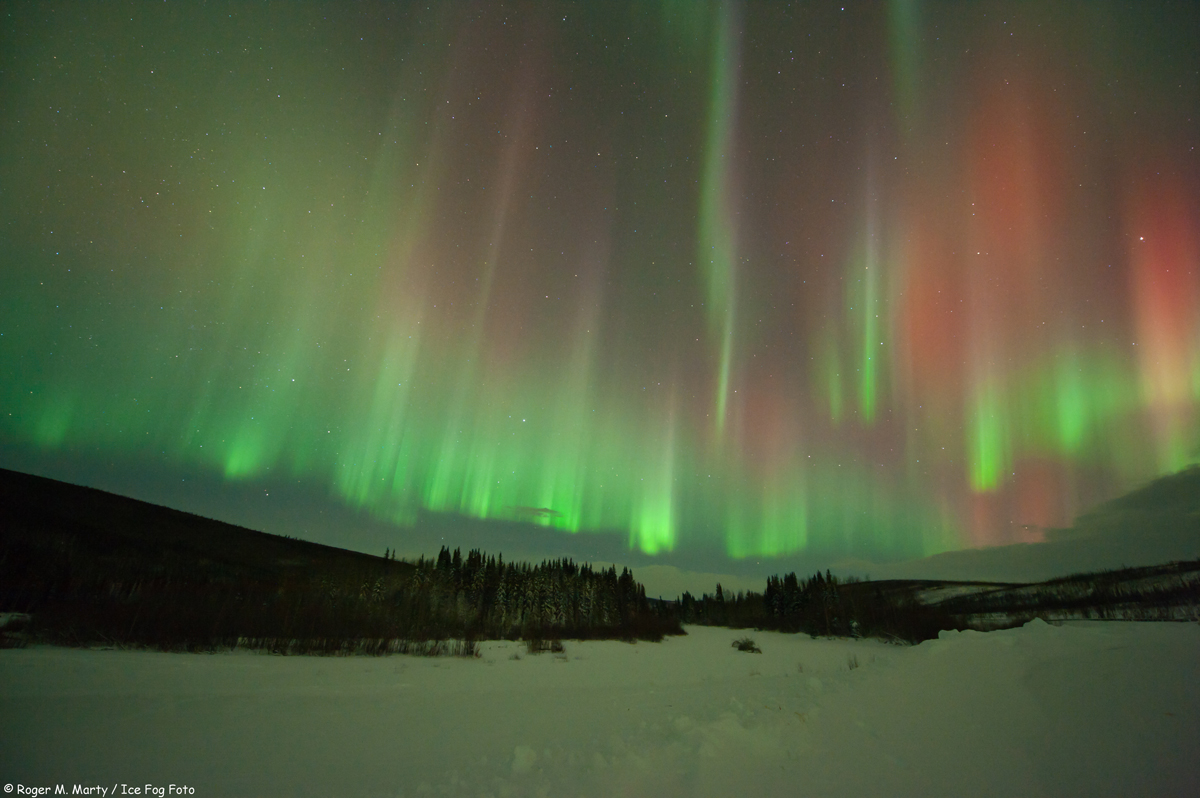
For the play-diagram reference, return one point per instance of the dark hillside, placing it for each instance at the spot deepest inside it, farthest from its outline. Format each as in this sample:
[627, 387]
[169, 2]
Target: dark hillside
[1167, 509]
[91, 567]
[1177, 493]
[115, 526]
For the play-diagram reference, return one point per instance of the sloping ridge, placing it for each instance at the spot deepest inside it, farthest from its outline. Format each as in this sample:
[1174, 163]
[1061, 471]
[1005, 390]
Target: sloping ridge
[32, 503]
[1155, 524]
[1174, 493]
[1173, 500]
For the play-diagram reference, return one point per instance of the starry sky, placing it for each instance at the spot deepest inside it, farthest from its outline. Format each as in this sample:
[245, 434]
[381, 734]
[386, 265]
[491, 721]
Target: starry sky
[679, 282]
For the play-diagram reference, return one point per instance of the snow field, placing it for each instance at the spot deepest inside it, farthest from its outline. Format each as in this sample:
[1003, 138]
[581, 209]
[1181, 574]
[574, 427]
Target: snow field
[1088, 708]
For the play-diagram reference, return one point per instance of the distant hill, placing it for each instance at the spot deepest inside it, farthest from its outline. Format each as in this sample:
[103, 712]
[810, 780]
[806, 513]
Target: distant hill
[1174, 494]
[1155, 524]
[1166, 511]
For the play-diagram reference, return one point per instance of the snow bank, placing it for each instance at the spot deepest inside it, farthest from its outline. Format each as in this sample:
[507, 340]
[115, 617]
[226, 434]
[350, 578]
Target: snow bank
[1083, 709]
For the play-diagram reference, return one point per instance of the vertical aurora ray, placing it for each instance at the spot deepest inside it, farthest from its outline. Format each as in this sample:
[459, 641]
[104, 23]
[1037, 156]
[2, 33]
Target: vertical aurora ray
[717, 253]
[1070, 400]
[868, 301]
[988, 453]
[379, 473]
[870, 351]
[380, 466]
[857, 333]
[565, 479]
[654, 518]
[1164, 253]
[769, 519]
[904, 36]
[829, 375]
[1072, 412]
[460, 469]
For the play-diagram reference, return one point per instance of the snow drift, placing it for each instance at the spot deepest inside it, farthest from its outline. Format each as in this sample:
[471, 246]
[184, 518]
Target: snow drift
[1087, 708]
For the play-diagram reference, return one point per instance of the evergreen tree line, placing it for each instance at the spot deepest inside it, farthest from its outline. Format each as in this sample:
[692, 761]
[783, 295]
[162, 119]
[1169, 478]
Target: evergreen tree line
[821, 605]
[1147, 592]
[88, 589]
[482, 596]
[812, 605]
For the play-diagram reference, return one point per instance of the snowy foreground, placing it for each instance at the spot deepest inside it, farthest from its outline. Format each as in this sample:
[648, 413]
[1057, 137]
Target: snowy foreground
[1085, 709]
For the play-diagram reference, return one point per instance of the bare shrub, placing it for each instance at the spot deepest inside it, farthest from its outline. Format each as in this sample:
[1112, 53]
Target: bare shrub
[747, 644]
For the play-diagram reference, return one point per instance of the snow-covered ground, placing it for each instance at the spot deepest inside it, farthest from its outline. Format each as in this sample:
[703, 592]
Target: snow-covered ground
[1086, 709]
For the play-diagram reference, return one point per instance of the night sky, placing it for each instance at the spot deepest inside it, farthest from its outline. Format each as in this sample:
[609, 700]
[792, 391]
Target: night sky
[718, 282]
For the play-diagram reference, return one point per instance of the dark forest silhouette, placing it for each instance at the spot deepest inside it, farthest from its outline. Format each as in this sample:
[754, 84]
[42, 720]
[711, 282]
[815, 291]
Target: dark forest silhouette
[83, 567]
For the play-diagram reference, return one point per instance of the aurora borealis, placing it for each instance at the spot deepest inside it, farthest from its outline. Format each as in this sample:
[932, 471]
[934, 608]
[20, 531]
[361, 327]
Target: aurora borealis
[759, 279]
